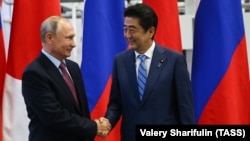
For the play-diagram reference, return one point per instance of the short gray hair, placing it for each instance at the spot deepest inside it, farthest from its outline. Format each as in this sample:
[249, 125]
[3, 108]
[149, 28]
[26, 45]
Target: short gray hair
[50, 25]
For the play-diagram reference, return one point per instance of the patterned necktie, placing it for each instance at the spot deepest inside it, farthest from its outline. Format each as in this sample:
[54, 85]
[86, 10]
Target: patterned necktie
[69, 81]
[142, 75]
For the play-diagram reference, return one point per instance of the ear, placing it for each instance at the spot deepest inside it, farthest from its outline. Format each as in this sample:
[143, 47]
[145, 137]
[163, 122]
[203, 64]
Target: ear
[49, 37]
[151, 31]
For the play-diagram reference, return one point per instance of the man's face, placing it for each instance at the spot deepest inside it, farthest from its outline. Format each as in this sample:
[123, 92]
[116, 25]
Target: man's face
[63, 41]
[138, 39]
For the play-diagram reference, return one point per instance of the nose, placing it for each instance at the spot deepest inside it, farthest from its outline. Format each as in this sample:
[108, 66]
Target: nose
[73, 43]
[127, 34]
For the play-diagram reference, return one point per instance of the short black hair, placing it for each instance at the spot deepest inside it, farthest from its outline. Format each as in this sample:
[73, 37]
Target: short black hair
[146, 15]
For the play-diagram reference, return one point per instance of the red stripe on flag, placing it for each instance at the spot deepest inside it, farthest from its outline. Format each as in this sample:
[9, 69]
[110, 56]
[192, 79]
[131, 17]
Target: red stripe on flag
[168, 31]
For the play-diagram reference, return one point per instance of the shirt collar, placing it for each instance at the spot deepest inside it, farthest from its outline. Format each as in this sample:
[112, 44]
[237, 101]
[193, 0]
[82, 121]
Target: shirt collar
[149, 52]
[55, 61]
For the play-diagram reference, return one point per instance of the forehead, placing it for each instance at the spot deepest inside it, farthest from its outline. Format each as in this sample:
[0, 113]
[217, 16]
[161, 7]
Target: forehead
[131, 22]
[66, 28]
[64, 25]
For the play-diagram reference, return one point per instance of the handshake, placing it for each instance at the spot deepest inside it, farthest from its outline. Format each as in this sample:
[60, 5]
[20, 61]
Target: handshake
[103, 127]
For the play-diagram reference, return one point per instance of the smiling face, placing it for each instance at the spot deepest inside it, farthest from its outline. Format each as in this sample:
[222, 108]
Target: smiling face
[138, 39]
[60, 42]
[63, 42]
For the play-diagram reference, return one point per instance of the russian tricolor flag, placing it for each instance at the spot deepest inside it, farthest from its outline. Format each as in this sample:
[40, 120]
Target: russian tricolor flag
[220, 73]
[102, 39]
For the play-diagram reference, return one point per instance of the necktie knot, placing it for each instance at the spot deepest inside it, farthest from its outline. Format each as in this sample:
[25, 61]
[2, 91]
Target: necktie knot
[62, 65]
[142, 57]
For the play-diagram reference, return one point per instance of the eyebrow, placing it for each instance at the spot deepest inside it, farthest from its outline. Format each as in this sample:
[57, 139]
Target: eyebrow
[130, 26]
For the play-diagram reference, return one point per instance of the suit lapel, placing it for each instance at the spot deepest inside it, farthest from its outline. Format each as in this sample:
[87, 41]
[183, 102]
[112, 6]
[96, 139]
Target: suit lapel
[131, 69]
[55, 74]
[157, 64]
[73, 73]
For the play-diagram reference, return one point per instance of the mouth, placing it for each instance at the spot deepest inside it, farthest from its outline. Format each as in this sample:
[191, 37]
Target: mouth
[131, 42]
[70, 49]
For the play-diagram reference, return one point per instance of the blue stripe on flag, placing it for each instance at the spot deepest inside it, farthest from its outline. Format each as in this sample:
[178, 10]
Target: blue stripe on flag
[102, 39]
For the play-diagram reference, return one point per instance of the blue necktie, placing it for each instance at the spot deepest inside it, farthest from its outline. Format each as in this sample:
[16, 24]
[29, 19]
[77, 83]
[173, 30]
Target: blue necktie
[142, 75]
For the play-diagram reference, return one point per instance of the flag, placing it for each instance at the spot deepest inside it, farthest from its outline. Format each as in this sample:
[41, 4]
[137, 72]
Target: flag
[2, 71]
[102, 39]
[220, 73]
[168, 31]
[25, 45]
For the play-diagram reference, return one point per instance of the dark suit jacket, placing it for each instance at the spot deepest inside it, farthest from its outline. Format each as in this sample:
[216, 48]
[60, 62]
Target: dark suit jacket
[53, 113]
[167, 97]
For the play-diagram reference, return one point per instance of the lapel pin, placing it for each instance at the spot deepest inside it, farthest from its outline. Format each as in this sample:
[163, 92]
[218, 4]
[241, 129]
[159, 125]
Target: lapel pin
[159, 64]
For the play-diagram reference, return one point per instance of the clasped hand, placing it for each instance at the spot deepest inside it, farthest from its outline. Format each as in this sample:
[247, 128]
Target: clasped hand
[103, 127]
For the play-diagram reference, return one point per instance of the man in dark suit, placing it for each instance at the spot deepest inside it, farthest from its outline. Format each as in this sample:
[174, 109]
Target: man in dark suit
[167, 98]
[55, 113]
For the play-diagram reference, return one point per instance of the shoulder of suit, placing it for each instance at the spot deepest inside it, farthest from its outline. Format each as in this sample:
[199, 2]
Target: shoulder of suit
[167, 49]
